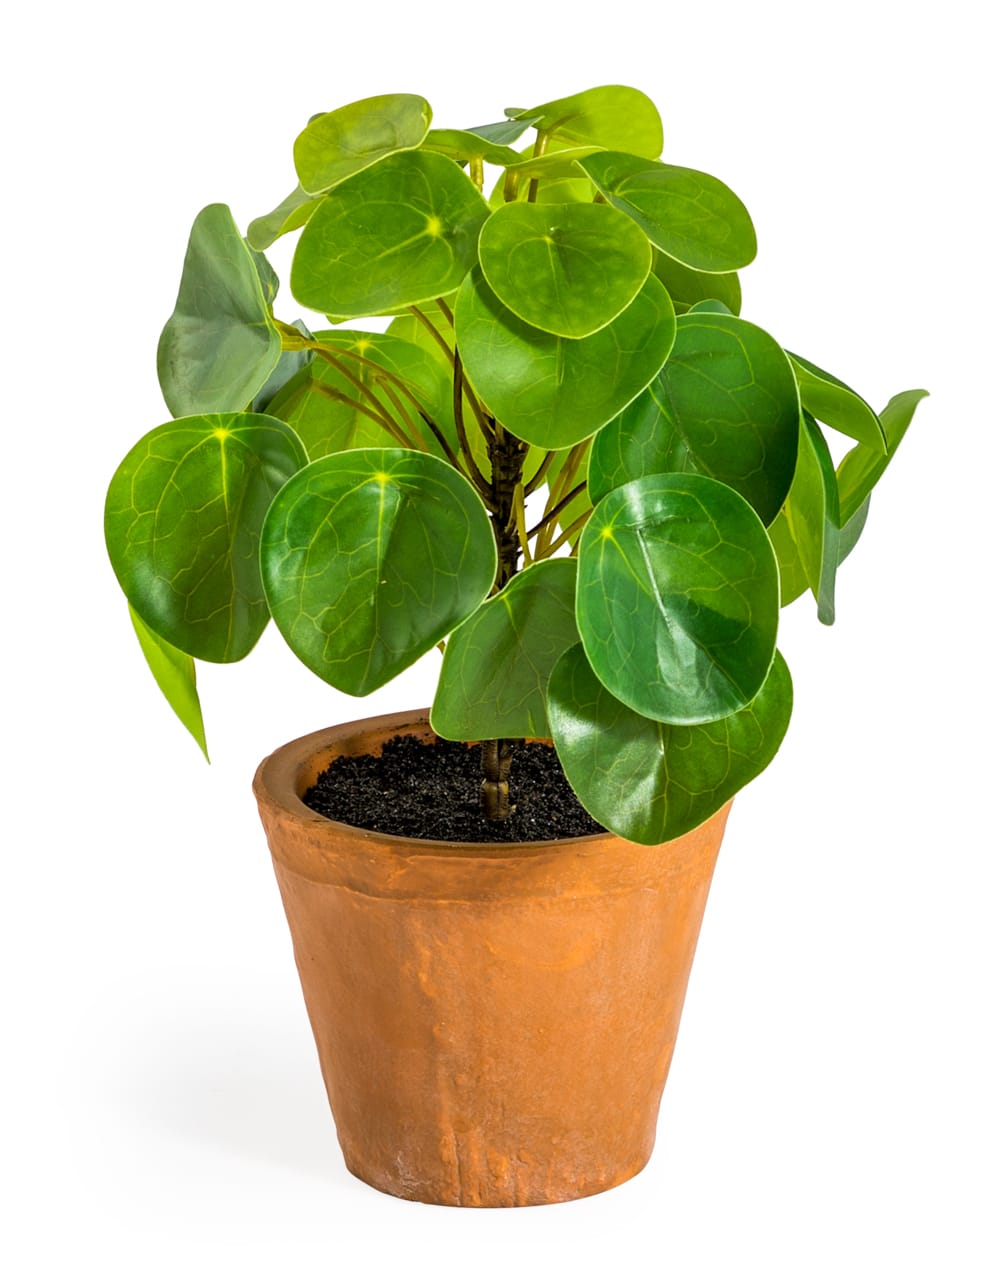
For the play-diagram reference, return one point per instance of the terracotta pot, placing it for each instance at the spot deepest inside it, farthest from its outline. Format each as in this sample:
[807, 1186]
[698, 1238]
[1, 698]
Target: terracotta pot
[494, 1022]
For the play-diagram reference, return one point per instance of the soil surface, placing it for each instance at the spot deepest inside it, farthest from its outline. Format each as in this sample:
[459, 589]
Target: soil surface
[430, 791]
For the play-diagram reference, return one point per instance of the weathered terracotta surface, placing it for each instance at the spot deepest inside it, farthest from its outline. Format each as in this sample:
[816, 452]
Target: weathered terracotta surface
[494, 1023]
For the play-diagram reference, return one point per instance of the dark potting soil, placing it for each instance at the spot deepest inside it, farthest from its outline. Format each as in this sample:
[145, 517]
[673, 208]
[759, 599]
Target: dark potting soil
[430, 791]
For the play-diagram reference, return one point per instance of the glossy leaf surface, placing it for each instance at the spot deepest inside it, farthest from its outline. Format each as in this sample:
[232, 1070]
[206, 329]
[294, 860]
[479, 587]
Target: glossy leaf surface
[833, 402]
[174, 673]
[182, 524]
[724, 405]
[862, 468]
[567, 269]
[220, 345]
[337, 144]
[554, 391]
[293, 212]
[688, 287]
[677, 598]
[806, 532]
[497, 663]
[686, 214]
[370, 558]
[650, 782]
[399, 233]
[612, 115]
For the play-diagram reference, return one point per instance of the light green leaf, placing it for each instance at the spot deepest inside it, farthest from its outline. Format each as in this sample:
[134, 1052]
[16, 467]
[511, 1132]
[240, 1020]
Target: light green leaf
[806, 532]
[497, 663]
[174, 673]
[554, 391]
[568, 269]
[688, 215]
[340, 143]
[182, 524]
[688, 287]
[504, 132]
[551, 164]
[370, 558]
[862, 468]
[651, 782]
[833, 402]
[401, 232]
[293, 212]
[677, 598]
[462, 146]
[573, 189]
[612, 115]
[724, 404]
[220, 345]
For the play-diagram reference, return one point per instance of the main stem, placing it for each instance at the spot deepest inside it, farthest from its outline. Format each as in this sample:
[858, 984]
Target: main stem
[507, 462]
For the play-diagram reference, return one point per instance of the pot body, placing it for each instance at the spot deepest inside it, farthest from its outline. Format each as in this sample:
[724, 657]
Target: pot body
[494, 1022]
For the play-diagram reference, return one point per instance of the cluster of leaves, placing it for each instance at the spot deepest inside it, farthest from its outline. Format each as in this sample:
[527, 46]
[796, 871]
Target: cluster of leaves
[572, 332]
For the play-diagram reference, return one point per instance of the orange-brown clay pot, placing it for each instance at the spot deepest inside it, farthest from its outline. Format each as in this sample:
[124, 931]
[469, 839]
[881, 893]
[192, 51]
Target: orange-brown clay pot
[494, 1022]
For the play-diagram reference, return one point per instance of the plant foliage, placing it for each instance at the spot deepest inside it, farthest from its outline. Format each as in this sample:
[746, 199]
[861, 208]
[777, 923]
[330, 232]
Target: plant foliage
[561, 453]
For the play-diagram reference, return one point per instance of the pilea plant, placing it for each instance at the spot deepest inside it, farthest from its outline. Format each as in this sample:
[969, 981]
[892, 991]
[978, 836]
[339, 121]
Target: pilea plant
[562, 455]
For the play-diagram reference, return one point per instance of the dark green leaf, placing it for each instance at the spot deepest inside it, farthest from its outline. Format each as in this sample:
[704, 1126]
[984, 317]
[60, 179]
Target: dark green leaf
[293, 212]
[861, 469]
[677, 598]
[182, 523]
[497, 663]
[651, 782]
[724, 405]
[400, 232]
[612, 115]
[688, 215]
[370, 558]
[688, 287]
[554, 391]
[833, 402]
[340, 143]
[568, 269]
[220, 345]
[174, 673]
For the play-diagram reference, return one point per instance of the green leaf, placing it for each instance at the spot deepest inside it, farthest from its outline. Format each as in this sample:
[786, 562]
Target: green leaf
[568, 269]
[833, 402]
[572, 189]
[504, 132]
[651, 782]
[220, 345]
[554, 391]
[724, 404]
[370, 558]
[340, 143]
[293, 212]
[688, 287]
[806, 532]
[289, 364]
[710, 307]
[677, 598]
[174, 673]
[862, 468]
[497, 663]
[612, 115]
[182, 524]
[462, 146]
[399, 233]
[688, 215]
[551, 164]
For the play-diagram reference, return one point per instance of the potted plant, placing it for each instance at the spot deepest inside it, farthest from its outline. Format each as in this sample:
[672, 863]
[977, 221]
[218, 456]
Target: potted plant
[561, 455]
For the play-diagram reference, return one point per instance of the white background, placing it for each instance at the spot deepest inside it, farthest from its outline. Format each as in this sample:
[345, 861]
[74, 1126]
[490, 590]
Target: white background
[831, 1109]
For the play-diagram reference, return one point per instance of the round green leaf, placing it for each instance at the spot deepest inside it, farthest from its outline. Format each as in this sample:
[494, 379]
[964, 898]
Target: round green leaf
[724, 404]
[651, 782]
[399, 233]
[568, 269]
[677, 598]
[220, 345]
[833, 402]
[370, 558]
[554, 391]
[612, 115]
[337, 144]
[182, 524]
[688, 287]
[497, 663]
[689, 215]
